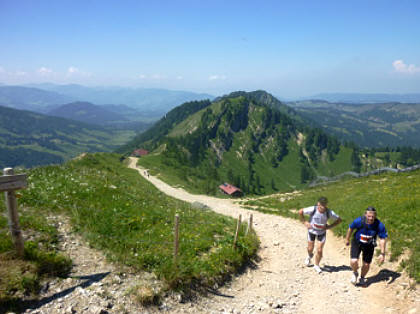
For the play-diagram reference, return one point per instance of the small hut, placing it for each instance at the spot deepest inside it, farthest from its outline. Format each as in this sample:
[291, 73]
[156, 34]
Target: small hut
[140, 152]
[230, 189]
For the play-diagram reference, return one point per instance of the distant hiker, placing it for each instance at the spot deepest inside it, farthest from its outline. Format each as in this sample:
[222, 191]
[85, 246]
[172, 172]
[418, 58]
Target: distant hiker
[317, 228]
[367, 228]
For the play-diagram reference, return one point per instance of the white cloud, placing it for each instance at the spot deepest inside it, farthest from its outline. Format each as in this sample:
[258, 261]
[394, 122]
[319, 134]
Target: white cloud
[20, 73]
[142, 76]
[2, 70]
[401, 67]
[45, 71]
[179, 77]
[73, 71]
[217, 77]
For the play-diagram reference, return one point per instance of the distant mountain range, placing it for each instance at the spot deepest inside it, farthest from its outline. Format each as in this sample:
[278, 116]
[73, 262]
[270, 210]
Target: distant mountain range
[359, 98]
[33, 99]
[149, 102]
[368, 125]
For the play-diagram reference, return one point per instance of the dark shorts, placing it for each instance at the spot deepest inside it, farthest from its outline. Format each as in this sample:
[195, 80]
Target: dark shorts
[319, 237]
[357, 248]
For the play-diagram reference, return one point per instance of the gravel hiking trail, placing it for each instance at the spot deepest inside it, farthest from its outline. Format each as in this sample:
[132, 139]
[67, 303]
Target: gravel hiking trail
[280, 283]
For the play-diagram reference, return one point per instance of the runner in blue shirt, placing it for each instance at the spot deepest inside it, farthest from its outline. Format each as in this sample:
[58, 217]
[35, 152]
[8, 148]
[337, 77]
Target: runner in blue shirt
[367, 228]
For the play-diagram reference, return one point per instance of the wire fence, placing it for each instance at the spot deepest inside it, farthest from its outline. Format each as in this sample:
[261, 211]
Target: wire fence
[323, 180]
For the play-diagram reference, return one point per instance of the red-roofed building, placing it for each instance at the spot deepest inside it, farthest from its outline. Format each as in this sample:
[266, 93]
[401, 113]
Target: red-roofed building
[140, 152]
[230, 189]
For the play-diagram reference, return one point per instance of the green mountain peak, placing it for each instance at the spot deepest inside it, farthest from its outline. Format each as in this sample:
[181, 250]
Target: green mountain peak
[247, 139]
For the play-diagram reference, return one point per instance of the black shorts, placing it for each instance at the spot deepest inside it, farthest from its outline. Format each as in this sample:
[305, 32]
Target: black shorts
[367, 249]
[319, 237]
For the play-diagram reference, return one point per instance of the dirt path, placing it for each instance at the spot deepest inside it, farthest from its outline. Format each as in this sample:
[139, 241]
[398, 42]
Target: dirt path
[94, 285]
[281, 284]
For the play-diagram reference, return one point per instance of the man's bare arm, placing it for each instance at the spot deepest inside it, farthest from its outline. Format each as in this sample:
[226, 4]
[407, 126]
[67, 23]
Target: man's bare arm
[348, 235]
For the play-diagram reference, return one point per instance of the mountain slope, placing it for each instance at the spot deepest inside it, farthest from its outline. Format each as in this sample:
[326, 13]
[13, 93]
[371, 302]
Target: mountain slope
[368, 125]
[30, 139]
[241, 138]
[33, 99]
[87, 112]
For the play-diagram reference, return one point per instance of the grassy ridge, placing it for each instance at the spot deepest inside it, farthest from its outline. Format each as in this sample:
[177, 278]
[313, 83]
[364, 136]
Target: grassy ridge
[395, 196]
[122, 214]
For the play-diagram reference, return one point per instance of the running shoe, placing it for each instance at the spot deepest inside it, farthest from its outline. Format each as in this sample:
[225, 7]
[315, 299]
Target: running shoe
[308, 261]
[353, 279]
[362, 281]
[318, 269]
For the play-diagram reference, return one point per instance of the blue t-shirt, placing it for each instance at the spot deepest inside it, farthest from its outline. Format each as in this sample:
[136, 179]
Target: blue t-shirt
[365, 234]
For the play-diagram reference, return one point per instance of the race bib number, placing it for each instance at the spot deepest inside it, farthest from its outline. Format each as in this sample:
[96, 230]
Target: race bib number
[318, 226]
[365, 238]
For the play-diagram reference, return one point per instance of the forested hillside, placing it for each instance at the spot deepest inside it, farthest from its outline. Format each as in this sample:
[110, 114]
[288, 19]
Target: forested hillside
[34, 99]
[248, 139]
[367, 125]
[30, 139]
[164, 125]
[88, 113]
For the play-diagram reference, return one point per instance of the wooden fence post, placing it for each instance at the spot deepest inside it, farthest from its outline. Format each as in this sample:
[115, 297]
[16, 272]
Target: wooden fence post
[176, 238]
[238, 225]
[249, 228]
[9, 183]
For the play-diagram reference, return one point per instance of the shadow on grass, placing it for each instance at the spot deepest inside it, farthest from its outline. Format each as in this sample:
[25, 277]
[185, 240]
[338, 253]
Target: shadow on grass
[22, 305]
[335, 269]
[383, 275]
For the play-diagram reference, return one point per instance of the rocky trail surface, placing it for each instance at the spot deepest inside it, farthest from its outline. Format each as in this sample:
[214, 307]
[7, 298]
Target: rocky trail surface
[279, 282]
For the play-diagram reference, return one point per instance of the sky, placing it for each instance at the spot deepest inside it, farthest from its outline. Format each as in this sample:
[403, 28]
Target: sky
[288, 48]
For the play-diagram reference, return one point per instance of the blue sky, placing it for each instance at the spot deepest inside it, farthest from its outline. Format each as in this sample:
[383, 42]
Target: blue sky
[289, 48]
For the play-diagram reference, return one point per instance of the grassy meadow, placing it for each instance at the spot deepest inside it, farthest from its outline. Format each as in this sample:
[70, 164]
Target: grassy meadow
[395, 196]
[122, 214]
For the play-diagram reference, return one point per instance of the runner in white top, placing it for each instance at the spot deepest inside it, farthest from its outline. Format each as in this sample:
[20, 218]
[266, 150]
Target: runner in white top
[317, 228]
